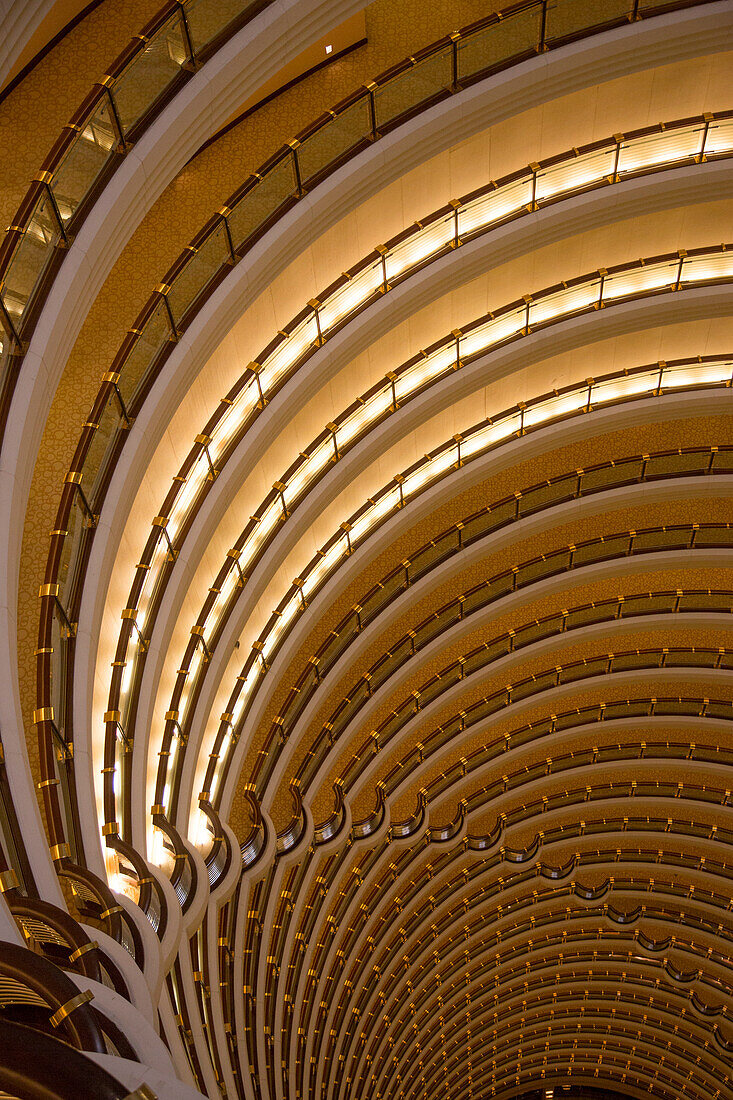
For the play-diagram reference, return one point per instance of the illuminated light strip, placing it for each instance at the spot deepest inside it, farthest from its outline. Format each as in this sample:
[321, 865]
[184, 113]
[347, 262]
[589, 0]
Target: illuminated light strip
[221, 763]
[221, 750]
[618, 159]
[605, 391]
[639, 154]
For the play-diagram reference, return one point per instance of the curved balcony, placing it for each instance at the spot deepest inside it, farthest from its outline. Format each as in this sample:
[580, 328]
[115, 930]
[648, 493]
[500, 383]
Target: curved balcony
[564, 176]
[412, 891]
[698, 137]
[105, 126]
[459, 453]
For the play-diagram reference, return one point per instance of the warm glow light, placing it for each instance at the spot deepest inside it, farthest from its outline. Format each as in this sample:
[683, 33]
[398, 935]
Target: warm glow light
[667, 146]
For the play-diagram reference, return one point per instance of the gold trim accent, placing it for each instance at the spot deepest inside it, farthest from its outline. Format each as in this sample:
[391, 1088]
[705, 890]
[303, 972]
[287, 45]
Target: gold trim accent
[47, 783]
[91, 946]
[112, 715]
[157, 808]
[110, 828]
[48, 590]
[43, 177]
[204, 796]
[203, 438]
[61, 1013]
[44, 714]
[111, 376]
[111, 911]
[8, 880]
[162, 288]
[60, 851]
[73, 477]
[106, 81]
[142, 1092]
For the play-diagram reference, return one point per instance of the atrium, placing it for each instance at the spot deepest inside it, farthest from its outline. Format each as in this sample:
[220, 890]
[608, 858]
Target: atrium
[366, 723]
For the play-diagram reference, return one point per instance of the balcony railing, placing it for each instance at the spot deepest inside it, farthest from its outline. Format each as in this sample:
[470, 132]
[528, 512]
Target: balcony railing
[149, 72]
[106, 429]
[105, 126]
[470, 884]
[115, 413]
[623, 607]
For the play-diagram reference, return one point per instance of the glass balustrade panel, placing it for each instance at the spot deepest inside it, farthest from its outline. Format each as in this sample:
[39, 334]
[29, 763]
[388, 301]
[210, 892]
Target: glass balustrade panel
[511, 198]
[664, 148]
[83, 161]
[150, 73]
[208, 18]
[421, 245]
[697, 374]
[589, 168]
[707, 268]
[675, 464]
[495, 46]
[335, 140]
[569, 18]
[108, 424]
[562, 304]
[198, 272]
[640, 280]
[256, 208]
[720, 136]
[155, 334]
[76, 525]
[428, 80]
[33, 251]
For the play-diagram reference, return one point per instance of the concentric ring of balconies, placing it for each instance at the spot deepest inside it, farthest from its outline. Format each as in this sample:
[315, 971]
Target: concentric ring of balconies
[105, 126]
[462, 883]
[623, 476]
[663, 824]
[279, 508]
[536, 185]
